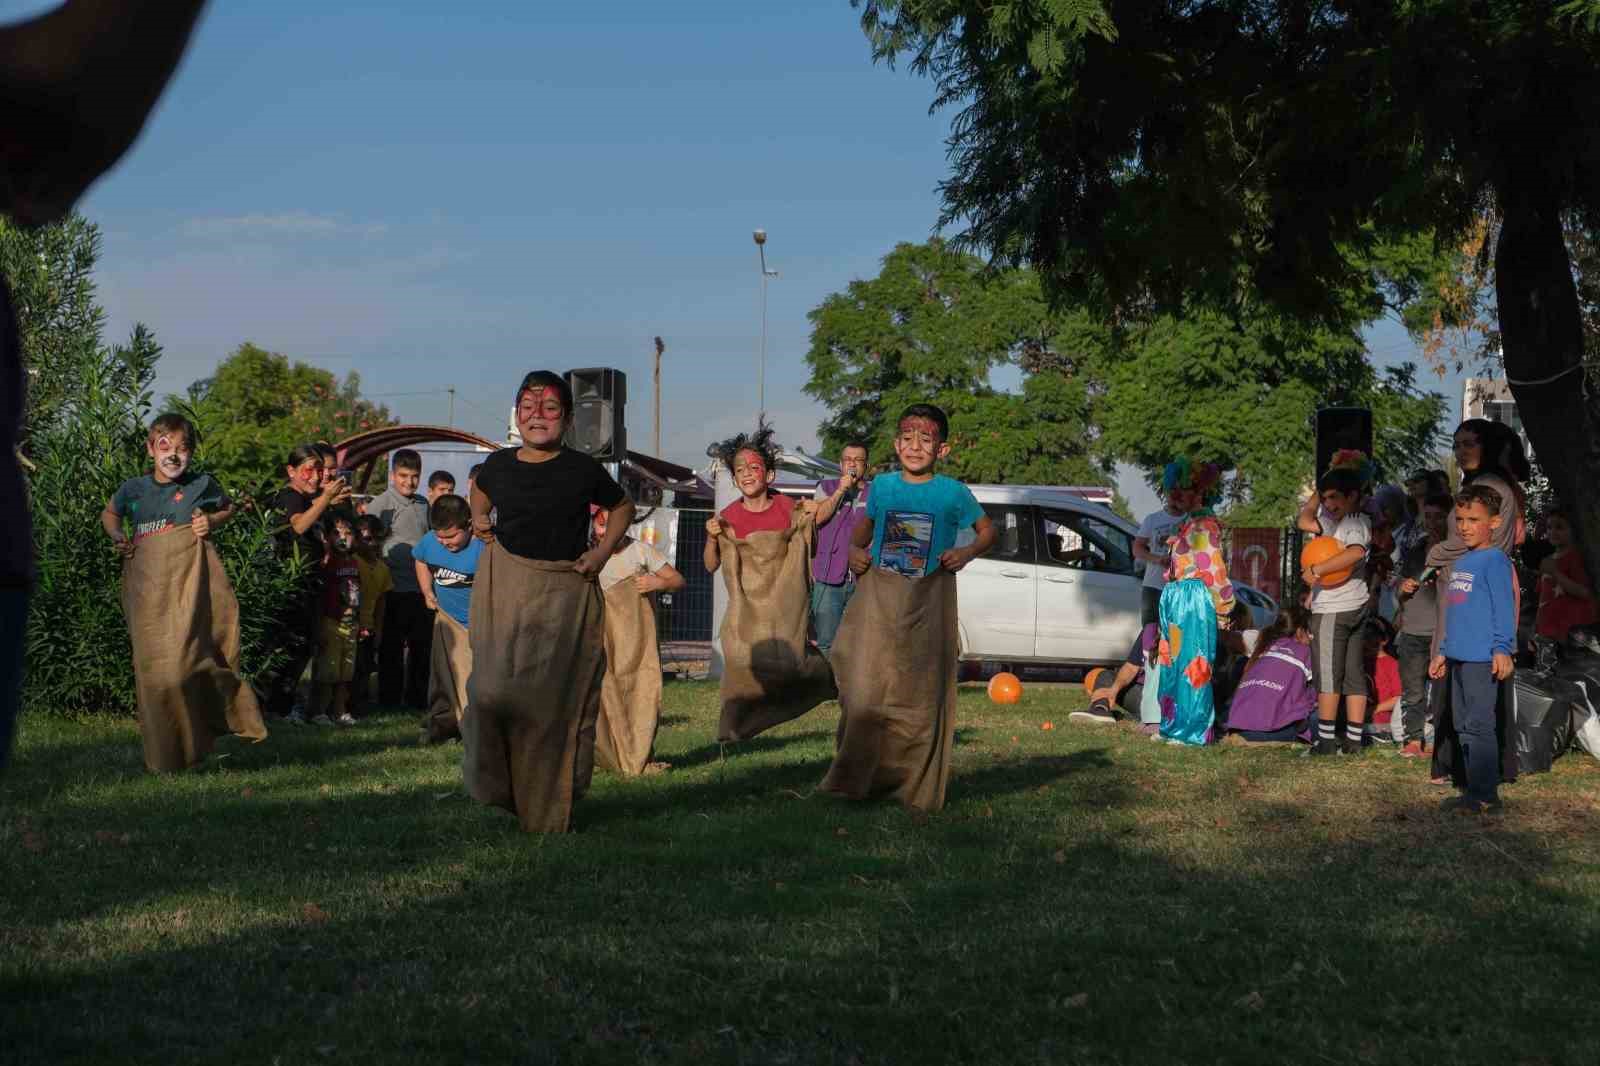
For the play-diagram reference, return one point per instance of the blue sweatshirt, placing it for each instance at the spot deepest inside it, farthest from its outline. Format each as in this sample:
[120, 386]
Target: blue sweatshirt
[1480, 611]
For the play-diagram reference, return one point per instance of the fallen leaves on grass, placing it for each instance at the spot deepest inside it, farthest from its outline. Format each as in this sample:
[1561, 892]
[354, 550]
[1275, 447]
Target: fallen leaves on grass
[1074, 1002]
[841, 832]
[1060, 857]
[313, 914]
[1250, 1001]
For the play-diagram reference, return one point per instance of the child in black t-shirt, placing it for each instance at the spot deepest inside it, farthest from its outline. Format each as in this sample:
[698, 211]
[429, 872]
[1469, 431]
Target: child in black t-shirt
[535, 632]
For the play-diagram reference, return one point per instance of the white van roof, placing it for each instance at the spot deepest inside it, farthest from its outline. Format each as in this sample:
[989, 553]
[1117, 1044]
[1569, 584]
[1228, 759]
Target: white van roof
[1064, 496]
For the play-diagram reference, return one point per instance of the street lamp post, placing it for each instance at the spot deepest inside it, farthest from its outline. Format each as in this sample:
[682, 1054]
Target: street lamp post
[761, 248]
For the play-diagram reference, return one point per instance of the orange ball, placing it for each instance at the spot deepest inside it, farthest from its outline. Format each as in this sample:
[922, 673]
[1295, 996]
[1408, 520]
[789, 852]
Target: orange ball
[1005, 688]
[1091, 680]
[1319, 550]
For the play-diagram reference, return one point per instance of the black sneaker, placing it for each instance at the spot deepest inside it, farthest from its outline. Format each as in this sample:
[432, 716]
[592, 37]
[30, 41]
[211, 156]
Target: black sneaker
[1467, 805]
[1350, 747]
[1324, 747]
[1099, 712]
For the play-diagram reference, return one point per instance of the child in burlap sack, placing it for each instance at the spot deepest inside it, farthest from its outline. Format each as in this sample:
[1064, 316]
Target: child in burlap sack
[182, 616]
[446, 562]
[895, 655]
[536, 630]
[334, 669]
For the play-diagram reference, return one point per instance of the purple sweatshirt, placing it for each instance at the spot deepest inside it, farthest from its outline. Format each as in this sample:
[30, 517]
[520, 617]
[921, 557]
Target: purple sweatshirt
[1276, 690]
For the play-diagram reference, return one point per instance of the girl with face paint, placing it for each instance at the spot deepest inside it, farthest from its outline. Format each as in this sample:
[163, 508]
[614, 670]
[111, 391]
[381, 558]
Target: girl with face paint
[535, 624]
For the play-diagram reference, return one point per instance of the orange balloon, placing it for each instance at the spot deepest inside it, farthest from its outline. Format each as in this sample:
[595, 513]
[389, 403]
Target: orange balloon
[1005, 688]
[1319, 550]
[1091, 680]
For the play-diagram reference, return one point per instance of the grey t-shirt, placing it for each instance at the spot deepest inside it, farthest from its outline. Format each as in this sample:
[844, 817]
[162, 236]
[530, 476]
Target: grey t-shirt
[405, 521]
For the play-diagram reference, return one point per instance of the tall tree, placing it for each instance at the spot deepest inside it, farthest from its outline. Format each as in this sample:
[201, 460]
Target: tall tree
[258, 405]
[1157, 152]
[931, 328]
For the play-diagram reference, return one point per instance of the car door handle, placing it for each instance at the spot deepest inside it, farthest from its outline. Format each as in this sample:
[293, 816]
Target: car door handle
[1061, 580]
[1013, 573]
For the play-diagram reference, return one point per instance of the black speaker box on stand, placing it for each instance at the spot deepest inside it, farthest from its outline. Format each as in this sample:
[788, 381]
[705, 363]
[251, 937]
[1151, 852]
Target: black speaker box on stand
[599, 396]
[1339, 428]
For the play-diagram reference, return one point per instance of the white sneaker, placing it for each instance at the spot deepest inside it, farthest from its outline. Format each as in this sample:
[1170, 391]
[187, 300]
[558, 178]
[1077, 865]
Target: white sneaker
[346, 719]
[294, 717]
[322, 719]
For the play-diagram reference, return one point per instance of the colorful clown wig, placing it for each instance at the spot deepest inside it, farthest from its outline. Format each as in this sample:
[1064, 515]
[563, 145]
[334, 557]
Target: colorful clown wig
[1348, 471]
[1204, 478]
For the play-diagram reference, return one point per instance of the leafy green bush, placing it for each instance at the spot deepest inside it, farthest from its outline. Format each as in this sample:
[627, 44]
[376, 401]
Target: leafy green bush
[79, 655]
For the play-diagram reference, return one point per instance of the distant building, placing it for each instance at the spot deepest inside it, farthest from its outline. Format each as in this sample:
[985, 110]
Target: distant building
[1491, 398]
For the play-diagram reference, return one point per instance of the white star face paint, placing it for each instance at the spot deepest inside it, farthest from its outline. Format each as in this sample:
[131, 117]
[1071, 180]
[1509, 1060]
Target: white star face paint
[171, 452]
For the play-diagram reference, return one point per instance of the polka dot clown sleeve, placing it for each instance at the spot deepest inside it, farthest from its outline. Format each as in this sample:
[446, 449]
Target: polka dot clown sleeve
[1197, 552]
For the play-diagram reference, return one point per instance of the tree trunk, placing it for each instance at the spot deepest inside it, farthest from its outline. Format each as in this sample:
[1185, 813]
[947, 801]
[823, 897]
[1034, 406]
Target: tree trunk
[1542, 333]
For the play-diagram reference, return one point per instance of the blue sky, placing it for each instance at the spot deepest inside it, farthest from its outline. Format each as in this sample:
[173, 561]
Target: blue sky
[437, 195]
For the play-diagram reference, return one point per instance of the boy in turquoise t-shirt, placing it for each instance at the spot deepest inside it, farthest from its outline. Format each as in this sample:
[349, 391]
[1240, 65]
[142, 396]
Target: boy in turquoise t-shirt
[895, 654]
[915, 515]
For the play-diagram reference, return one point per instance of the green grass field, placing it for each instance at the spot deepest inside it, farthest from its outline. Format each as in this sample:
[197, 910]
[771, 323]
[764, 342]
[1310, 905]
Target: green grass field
[1086, 896]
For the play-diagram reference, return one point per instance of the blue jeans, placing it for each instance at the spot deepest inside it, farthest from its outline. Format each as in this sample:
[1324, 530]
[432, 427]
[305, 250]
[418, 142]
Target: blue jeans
[13, 630]
[827, 608]
[1473, 690]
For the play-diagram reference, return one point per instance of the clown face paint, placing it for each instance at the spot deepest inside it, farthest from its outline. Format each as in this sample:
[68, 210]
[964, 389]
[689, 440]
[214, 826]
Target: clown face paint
[751, 475]
[344, 538]
[540, 417]
[919, 446]
[171, 453]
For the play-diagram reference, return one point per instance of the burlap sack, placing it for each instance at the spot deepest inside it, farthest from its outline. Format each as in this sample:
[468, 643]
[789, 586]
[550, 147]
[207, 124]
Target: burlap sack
[630, 697]
[449, 667]
[537, 660]
[895, 658]
[770, 673]
[184, 623]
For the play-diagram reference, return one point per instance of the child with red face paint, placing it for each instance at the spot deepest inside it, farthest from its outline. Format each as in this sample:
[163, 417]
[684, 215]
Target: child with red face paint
[181, 612]
[753, 462]
[535, 616]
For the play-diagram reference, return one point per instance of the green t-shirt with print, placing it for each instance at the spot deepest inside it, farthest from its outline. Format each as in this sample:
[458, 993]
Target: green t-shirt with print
[150, 506]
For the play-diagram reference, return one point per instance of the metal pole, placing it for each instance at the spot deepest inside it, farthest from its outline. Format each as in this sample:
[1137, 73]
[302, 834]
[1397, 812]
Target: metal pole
[452, 422]
[761, 401]
[657, 441]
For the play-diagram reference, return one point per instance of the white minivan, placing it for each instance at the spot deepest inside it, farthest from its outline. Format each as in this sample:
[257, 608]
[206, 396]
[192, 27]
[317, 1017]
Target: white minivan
[1060, 585]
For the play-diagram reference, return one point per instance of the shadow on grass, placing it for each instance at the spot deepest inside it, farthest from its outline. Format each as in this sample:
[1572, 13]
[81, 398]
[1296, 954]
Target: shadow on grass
[771, 938]
[732, 752]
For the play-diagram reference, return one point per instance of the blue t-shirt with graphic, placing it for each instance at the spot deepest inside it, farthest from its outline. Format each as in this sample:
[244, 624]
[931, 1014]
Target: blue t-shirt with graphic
[452, 573]
[913, 523]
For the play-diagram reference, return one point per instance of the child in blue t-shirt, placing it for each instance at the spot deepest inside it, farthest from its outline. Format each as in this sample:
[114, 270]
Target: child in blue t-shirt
[914, 516]
[446, 559]
[895, 654]
[1480, 636]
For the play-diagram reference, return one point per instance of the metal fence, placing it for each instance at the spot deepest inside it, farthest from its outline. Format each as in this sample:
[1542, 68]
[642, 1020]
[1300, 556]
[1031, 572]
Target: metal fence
[686, 616]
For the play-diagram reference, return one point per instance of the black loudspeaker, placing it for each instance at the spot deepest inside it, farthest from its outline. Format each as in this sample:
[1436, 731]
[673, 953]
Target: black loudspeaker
[1339, 428]
[599, 395]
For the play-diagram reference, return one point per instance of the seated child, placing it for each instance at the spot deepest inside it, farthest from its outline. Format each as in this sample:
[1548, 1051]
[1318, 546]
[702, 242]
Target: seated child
[376, 584]
[1275, 698]
[1566, 595]
[183, 618]
[1383, 681]
[1235, 643]
[446, 561]
[334, 670]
